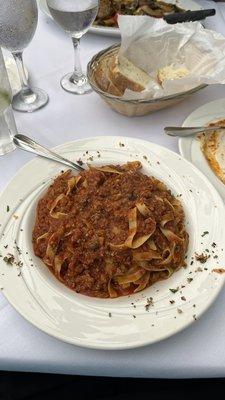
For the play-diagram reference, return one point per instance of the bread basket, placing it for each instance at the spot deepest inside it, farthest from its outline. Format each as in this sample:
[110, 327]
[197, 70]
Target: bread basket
[132, 108]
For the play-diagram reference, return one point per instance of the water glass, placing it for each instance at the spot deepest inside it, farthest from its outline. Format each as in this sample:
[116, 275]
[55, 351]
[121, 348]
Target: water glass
[18, 23]
[7, 121]
[75, 17]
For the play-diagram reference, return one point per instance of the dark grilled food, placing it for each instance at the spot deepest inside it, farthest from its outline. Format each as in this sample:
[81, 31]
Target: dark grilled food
[109, 10]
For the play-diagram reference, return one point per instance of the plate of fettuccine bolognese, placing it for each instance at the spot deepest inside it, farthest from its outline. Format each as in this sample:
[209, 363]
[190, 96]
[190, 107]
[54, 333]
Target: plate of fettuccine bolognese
[126, 253]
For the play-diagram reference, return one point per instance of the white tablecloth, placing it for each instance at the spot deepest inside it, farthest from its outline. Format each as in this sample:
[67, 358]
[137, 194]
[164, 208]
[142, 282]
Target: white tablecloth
[199, 351]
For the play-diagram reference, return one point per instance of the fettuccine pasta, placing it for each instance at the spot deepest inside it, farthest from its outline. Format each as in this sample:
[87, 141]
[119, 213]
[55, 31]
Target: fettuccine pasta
[110, 231]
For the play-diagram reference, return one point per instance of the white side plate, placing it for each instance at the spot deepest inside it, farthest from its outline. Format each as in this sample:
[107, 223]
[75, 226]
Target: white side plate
[190, 146]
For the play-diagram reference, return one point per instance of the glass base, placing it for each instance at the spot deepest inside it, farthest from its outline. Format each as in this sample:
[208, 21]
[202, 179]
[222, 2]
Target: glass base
[30, 103]
[7, 148]
[81, 86]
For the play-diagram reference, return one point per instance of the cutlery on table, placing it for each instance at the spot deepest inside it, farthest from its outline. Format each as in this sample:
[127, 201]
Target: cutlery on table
[25, 143]
[188, 131]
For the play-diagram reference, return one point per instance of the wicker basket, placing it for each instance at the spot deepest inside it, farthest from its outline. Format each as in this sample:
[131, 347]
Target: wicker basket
[132, 108]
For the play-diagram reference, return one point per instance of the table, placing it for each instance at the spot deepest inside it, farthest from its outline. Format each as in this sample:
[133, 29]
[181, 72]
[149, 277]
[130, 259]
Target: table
[198, 351]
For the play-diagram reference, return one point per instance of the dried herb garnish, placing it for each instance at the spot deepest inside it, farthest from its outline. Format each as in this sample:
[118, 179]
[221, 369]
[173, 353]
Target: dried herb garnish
[110, 314]
[121, 144]
[172, 301]
[194, 316]
[7, 208]
[205, 233]
[9, 259]
[183, 298]
[174, 290]
[202, 258]
[18, 249]
[19, 264]
[179, 311]
[149, 303]
[213, 244]
[80, 162]
[189, 280]
[134, 316]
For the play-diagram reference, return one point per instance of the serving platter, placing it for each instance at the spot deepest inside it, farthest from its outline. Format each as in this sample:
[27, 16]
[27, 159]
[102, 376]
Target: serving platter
[190, 146]
[123, 322]
[101, 30]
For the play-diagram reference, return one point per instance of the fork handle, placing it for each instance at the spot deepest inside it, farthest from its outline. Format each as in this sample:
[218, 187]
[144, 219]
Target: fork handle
[28, 144]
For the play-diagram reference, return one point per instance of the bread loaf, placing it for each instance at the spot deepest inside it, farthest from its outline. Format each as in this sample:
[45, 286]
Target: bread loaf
[125, 75]
[115, 75]
[103, 80]
[171, 72]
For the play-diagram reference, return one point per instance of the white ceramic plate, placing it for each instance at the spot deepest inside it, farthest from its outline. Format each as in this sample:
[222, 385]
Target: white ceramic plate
[190, 146]
[37, 295]
[100, 30]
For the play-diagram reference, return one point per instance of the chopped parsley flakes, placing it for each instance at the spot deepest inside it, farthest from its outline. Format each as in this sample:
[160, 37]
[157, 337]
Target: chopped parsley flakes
[174, 290]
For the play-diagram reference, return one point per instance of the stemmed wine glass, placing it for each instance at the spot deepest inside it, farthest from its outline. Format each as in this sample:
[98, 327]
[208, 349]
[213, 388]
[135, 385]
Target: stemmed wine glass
[18, 22]
[75, 17]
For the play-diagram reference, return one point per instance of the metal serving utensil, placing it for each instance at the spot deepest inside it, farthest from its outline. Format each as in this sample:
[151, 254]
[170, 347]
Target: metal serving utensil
[25, 143]
[189, 16]
[188, 131]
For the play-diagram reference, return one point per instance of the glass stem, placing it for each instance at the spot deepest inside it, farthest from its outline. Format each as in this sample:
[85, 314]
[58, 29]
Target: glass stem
[26, 92]
[77, 73]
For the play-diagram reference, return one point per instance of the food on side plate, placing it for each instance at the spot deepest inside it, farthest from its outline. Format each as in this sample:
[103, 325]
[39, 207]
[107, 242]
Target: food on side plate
[110, 231]
[213, 148]
[171, 72]
[109, 9]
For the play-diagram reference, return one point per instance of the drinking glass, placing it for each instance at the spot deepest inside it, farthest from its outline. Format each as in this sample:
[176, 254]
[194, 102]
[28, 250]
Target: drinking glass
[7, 122]
[75, 17]
[18, 22]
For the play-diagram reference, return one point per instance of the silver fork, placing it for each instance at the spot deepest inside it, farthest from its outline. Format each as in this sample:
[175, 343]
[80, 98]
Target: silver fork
[25, 143]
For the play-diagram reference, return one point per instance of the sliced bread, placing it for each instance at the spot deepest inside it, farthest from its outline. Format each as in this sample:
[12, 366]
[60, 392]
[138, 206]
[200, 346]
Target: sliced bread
[103, 80]
[171, 72]
[125, 75]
